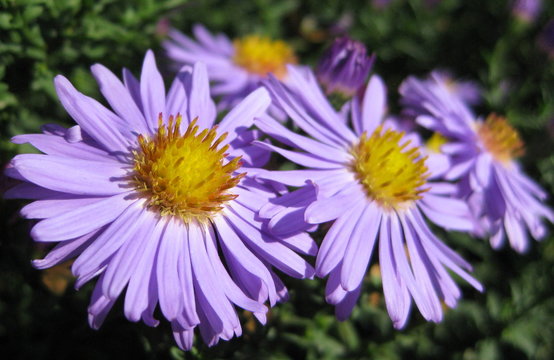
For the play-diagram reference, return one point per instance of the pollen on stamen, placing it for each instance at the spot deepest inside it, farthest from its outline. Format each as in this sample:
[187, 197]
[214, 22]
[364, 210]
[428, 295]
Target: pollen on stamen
[391, 175]
[500, 139]
[261, 55]
[184, 175]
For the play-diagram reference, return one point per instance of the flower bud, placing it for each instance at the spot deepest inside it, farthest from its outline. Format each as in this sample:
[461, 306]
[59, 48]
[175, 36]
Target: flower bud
[344, 67]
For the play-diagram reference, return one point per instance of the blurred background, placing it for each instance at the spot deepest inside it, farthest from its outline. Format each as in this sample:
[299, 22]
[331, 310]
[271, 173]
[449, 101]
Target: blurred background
[506, 47]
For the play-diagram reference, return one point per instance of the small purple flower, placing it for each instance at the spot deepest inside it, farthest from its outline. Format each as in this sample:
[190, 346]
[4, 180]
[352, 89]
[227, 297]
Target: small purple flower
[344, 67]
[374, 183]
[546, 39]
[381, 4]
[483, 154]
[527, 10]
[154, 198]
[235, 66]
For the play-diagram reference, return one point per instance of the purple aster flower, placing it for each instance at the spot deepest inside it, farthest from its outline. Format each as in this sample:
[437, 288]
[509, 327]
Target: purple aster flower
[527, 10]
[154, 198]
[235, 66]
[483, 156]
[378, 189]
[381, 4]
[443, 81]
[344, 67]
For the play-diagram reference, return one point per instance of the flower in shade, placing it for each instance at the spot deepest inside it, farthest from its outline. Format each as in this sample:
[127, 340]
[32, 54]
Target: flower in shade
[236, 67]
[483, 155]
[379, 191]
[527, 10]
[155, 198]
[344, 67]
[546, 39]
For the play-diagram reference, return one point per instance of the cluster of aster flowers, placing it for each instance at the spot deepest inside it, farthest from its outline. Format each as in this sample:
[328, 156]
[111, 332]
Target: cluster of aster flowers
[153, 199]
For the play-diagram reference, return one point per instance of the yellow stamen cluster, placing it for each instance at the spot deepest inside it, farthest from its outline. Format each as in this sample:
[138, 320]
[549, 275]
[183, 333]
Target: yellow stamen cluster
[391, 175]
[261, 55]
[435, 142]
[184, 175]
[500, 139]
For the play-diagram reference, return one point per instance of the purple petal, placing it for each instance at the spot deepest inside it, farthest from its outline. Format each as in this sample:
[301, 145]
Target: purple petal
[65, 251]
[169, 286]
[374, 104]
[344, 308]
[31, 191]
[304, 159]
[80, 220]
[242, 116]
[107, 243]
[152, 91]
[429, 305]
[269, 248]
[279, 132]
[178, 97]
[325, 209]
[43, 209]
[450, 213]
[183, 337]
[142, 290]
[72, 176]
[231, 290]
[295, 199]
[58, 146]
[397, 297]
[251, 263]
[123, 264]
[133, 87]
[301, 243]
[336, 240]
[215, 305]
[99, 306]
[189, 315]
[119, 98]
[360, 247]
[97, 121]
[309, 92]
[201, 104]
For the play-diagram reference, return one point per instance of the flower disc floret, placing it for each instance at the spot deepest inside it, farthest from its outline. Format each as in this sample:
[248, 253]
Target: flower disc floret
[391, 175]
[186, 175]
[500, 139]
[261, 55]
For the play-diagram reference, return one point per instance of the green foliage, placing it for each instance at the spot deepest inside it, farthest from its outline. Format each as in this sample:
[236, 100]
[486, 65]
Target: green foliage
[476, 39]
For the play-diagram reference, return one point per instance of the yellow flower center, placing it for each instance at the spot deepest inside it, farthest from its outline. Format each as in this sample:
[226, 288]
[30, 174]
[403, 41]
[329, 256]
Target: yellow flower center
[184, 175]
[391, 175]
[500, 139]
[261, 55]
[435, 142]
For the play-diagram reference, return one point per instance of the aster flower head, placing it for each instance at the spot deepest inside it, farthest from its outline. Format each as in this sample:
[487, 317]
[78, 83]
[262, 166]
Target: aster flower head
[373, 181]
[344, 67]
[153, 197]
[236, 66]
[483, 153]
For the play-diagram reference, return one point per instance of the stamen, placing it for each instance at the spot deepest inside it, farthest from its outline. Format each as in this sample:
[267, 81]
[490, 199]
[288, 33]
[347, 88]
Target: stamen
[500, 139]
[390, 176]
[186, 175]
[261, 56]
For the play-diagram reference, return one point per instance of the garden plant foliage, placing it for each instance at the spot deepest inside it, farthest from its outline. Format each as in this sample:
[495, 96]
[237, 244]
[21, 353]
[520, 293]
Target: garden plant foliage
[43, 318]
